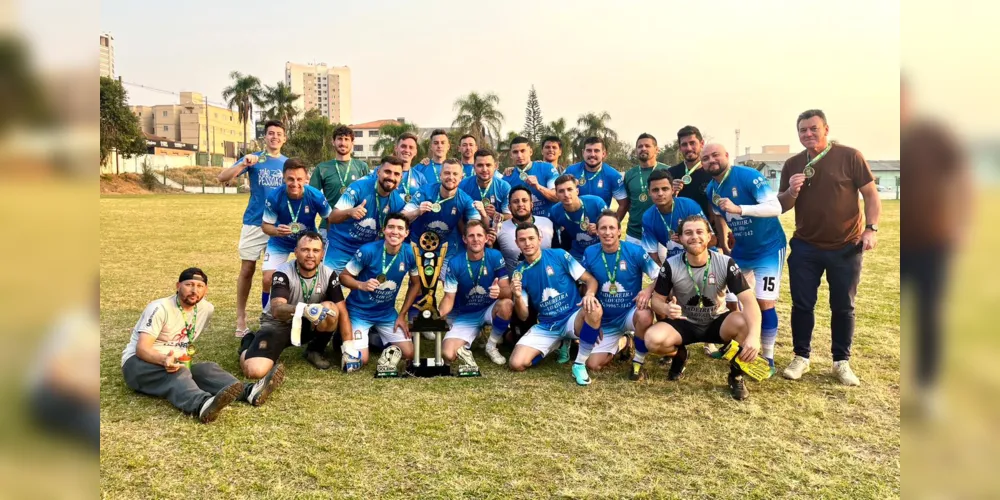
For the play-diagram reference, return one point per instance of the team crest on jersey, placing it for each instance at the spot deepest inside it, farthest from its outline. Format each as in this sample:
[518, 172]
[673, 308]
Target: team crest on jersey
[734, 192]
[623, 266]
[549, 271]
[305, 209]
[402, 267]
[357, 334]
[600, 184]
[454, 210]
[711, 278]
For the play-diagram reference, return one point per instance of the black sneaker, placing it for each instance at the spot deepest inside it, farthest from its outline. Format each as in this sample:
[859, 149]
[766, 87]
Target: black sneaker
[737, 387]
[678, 363]
[213, 405]
[638, 373]
[265, 386]
[317, 359]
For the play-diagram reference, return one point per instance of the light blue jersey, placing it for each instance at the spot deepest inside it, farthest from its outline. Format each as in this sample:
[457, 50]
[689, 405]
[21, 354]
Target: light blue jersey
[430, 172]
[444, 223]
[549, 286]
[348, 236]
[468, 170]
[409, 183]
[606, 184]
[498, 192]
[627, 266]
[370, 261]
[570, 223]
[265, 176]
[278, 210]
[756, 237]
[655, 226]
[470, 281]
[547, 174]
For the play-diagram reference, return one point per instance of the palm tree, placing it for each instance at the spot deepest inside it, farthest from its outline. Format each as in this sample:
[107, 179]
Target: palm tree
[559, 129]
[478, 115]
[593, 125]
[280, 103]
[387, 135]
[243, 94]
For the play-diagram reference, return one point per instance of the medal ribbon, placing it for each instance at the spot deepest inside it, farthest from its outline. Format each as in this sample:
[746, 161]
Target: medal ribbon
[618, 258]
[818, 157]
[385, 268]
[704, 280]
[692, 169]
[522, 171]
[439, 200]
[310, 286]
[188, 327]
[483, 193]
[719, 186]
[481, 271]
[523, 269]
[295, 216]
[665, 223]
[379, 216]
[643, 180]
[343, 176]
[591, 178]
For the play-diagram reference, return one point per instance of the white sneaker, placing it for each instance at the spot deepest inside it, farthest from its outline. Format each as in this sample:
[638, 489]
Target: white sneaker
[465, 355]
[842, 369]
[494, 354]
[711, 349]
[796, 368]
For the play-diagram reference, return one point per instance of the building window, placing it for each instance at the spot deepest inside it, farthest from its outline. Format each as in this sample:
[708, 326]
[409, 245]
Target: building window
[166, 128]
[164, 113]
[373, 133]
[359, 148]
[359, 133]
[877, 179]
[772, 174]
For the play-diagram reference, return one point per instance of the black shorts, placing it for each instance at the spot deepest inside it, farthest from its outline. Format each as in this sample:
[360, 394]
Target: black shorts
[272, 339]
[694, 334]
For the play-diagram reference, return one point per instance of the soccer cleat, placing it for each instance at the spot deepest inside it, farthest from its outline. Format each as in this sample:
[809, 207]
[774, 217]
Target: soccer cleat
[213, 405]
[737, 387]
[842, 369]
[638, 373]
[678, 364]
[494, 354]
[317, 359]
[389, 360]
[348, 361]
[770, 362]
[626, 352]
[465, 355]
[712, 351]
[796, 368]
[265, 386]
[564, 352]
[580, 374]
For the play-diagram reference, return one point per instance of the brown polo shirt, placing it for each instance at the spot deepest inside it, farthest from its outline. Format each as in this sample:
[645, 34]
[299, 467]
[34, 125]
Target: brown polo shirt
[828, 209]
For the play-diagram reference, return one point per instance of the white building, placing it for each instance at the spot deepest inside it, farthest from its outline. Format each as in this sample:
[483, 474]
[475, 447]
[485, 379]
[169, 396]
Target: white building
[365, 137]
[107, 55]
[321, 87]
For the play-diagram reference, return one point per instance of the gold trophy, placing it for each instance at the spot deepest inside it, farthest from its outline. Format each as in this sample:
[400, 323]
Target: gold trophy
[430, 254]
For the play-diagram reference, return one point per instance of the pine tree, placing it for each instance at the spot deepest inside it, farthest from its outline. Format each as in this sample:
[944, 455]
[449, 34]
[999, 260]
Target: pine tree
[533, 124]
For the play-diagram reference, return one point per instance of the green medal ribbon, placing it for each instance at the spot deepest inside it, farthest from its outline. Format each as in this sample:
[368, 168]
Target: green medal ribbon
[480, 272]
[643, 180]
[818, 157]
[188, 327]
[482, 192]
[385, 267]
[718, 187]
[310, 286]
[521, 268]
[692, 169]
[612, 277]
[583, 216]
[523, 173]
[439, 200]
[346, 172]
[591, 178]
[379, 216]
[704, 280]
[665, 223]
[295, 216]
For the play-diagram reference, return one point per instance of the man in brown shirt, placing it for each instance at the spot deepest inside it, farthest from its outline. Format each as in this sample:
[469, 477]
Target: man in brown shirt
[822, 183]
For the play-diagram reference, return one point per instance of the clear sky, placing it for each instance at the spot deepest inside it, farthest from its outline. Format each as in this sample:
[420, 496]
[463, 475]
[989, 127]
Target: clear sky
[653, 65]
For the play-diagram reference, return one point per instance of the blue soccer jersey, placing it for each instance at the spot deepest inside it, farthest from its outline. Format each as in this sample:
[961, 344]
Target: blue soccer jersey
[278, 210]
[370, 261]
[574, 224]
[430, 172]
[497, 192]
[470, 280]
[549, 286]
[468, 170]
[351, 233]
[624, 268]
[755, 236]
[265, 176]
[445, 222]
[606, 184]
[546, 174]
[409, 183]
[657, 227]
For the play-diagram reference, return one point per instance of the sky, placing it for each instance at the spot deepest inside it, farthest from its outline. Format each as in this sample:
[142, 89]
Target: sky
[653, 66]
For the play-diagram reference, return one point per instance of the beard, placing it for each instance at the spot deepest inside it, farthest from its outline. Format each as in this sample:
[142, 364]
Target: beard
[643, 156]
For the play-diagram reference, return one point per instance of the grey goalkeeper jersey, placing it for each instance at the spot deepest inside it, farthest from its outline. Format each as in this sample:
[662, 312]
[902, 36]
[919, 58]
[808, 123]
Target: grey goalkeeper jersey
[286, 283]
[713, 280]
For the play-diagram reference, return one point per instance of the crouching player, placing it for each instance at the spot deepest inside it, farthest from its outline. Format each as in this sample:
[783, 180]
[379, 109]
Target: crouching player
[696, 282]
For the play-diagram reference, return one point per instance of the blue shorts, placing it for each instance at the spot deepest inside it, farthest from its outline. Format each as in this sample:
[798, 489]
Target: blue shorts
[337, 259]
[764, 273]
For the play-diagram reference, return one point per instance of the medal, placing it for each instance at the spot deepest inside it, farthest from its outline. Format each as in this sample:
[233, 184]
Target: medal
[380, 278]
[435, 207]
[809, 172]
[296, 228]
[582, 181]
[261, 158]
[643, 197]
[686, 179]
[517, 276]
[406, 198]
[486, 202]
[524, 176]
[429, 270]
[385, 267]
[716, 198]
[343, 190]
[583, 224]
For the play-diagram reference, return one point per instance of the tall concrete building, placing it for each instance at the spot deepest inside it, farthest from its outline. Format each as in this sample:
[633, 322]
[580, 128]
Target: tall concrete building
[107, 55]
[217, 130]
[321, 87]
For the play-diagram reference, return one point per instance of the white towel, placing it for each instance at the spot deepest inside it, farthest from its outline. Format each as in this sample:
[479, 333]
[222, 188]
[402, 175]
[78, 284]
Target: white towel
[297, 324]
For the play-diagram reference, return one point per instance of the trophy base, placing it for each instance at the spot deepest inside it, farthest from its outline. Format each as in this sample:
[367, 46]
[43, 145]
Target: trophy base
[428, 368]
[469, 371]
[388, 374]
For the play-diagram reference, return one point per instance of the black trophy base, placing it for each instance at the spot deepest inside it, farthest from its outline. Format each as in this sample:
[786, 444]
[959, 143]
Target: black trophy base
[426, 370]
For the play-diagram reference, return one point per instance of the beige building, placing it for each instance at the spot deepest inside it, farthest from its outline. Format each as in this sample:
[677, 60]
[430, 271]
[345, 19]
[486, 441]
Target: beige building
[767, 153]
[186, 123]
[107, 55]
[321, 87]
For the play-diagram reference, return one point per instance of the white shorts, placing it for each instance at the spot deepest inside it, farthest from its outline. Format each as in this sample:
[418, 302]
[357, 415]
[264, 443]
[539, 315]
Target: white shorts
[544, 340]
[613, 333]
[253, 241]
[468, 326]
[386, 330]
[731, 297]
[274, 257]
[765, 274]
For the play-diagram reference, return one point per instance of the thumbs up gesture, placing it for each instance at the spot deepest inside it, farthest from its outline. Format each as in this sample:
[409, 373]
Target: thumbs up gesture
[360, 211]
[495, 289]
[675, 311]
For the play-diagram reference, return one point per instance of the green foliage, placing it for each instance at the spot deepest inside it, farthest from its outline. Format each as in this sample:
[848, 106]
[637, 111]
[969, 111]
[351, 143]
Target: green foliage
[311, 139]
[592, 125]
[244, 93]
[149, 180]
[560, 129]
[620, 154]
[279, 104]
[23, 99]
[479, 116]
[533, 123]
[387, 134]
[670, 154]
[120, 128]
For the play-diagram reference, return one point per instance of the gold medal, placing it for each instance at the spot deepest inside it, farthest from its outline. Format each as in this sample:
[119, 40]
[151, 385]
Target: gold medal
[809, 172]
[296, 228]
[516, 276]
[584, 224]
[380, 278]
[643, 197]
[583, 181]
[716, 198]
[435, 207]
[406, 198]
[686, 179]
[524, 176]
[343, 189]
[486, 202]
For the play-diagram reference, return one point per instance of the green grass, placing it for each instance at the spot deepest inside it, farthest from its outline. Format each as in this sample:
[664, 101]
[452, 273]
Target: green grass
[527, 435]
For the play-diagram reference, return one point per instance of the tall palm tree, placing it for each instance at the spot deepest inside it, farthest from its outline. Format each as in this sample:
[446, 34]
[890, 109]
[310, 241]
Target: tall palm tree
[387, 135]
[279, 101]
[243, 94]
[478, 115]
[593, 125]
[560, 129]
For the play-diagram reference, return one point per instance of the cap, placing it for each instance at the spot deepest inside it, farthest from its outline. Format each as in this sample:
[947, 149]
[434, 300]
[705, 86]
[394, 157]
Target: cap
[193, 273]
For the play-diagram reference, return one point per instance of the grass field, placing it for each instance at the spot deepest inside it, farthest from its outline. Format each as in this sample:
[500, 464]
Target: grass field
[529, 435]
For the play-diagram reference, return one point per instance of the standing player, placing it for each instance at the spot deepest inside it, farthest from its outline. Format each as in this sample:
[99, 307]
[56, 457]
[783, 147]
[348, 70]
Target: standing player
[334, 176]
[751, 209]
[659, 223]
[594, 177]
[436, 157]
[546, 280]
[467, 148]
[552, 149]
[690, 179]
[359, 216]
[287, 213]
[305, 285]
[538, 176]
[442, 208]
[576, 215]
[618, 267]
[636, 187]
[489, 194]
[477, 290]
[376, 273]
[264, 170]
[411, 180]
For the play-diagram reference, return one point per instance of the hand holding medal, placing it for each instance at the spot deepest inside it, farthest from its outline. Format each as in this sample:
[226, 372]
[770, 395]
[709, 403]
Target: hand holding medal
[727, 205]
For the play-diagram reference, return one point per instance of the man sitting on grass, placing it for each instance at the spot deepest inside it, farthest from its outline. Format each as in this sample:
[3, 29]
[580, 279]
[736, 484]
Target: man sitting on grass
[154, 361]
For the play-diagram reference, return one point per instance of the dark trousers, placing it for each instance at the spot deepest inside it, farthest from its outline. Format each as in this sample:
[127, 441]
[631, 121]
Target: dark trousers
[926, 271]
[806, 265]
[186, 389]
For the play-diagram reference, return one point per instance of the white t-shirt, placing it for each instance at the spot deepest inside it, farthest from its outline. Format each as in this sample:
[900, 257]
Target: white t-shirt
[164, 320]
[508, 246]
